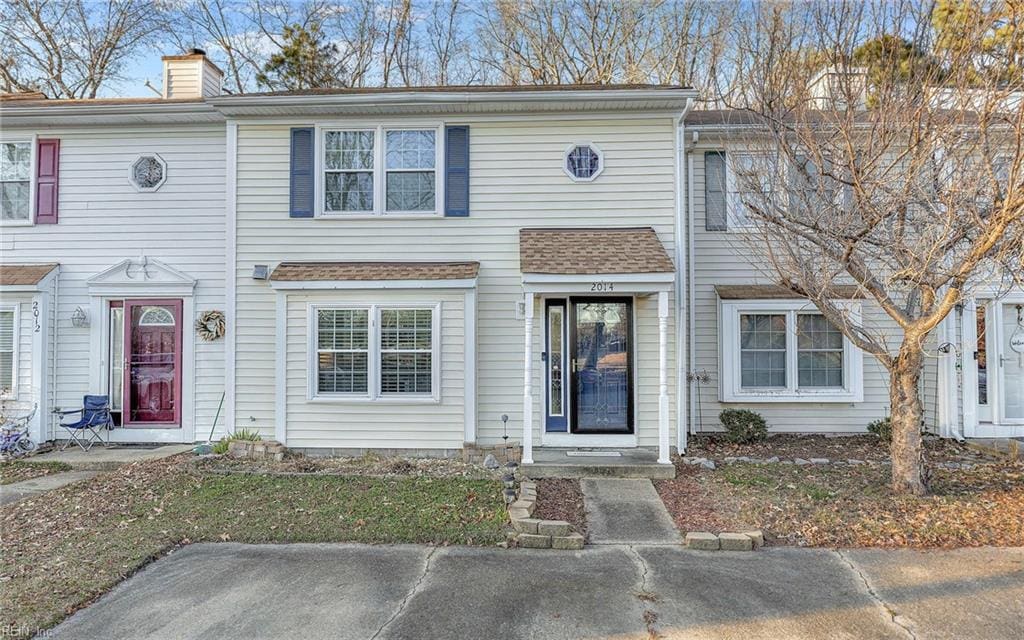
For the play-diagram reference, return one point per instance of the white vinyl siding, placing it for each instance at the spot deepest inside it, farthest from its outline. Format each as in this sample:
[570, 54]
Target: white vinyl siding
[104, 220]
[727, 259]
[516, 180]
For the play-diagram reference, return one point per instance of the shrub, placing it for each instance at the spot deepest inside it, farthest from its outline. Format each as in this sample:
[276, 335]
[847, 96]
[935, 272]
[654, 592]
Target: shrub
[881, 428]
[743, 426]
[221, 448]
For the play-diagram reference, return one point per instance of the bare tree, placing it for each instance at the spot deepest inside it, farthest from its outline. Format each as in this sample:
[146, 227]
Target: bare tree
[72, 48]
[905, 179]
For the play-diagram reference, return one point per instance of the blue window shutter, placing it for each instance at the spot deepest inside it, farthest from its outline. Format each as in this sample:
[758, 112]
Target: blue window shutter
[715, 210]
[300, 188]
[456, 172]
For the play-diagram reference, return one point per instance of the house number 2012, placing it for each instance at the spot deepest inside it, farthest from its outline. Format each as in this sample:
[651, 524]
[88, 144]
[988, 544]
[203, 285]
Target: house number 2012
[602, 286]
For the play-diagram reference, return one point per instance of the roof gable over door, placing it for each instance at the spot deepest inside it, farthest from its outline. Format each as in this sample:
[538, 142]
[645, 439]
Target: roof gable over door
[141, 276]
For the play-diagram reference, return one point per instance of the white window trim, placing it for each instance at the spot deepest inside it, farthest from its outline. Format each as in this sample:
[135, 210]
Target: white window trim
[379, 171]
[729, 339]
[14, 308]
[32, 179]
[131, 173]
[374, 394]
[600, 161]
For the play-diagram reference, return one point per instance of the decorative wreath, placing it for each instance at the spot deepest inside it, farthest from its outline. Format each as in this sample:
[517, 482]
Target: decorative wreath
[211, 325]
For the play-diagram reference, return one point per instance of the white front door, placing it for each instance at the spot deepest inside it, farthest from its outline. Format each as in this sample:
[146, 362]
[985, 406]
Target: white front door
[1011, 362]
[998, 368]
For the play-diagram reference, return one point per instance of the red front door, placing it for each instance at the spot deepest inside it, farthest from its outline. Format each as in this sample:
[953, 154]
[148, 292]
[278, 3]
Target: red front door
[152, 372]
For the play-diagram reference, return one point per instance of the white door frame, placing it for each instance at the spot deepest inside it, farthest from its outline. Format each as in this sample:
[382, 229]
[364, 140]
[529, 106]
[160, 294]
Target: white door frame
[143, 279]
[999, 427]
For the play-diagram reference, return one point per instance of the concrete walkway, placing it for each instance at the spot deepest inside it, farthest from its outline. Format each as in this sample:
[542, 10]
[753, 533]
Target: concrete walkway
[626, 511]
[232, 591]
[27, 488]
[100, 458]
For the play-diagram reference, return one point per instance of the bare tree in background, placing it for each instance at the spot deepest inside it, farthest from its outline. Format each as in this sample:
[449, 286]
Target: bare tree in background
[901, 171]
[72, 48]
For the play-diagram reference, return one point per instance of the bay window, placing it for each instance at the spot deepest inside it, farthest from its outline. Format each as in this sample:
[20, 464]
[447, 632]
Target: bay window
[375, 352]
[786, 351]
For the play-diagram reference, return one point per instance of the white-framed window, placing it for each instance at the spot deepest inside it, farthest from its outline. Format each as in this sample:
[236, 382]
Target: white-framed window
[583, 162]
[147, 173]
[410, 176]
[376, 352]
[16, 180]
[8, 351]
[380, 170]
[786, 351]
[748, 179]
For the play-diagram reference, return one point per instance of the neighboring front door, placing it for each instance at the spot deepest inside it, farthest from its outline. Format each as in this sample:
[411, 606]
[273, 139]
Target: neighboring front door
[601, 356]
[152, 364]
[1011, 363]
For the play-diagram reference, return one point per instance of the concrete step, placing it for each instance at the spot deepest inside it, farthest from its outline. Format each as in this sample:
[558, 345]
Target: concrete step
[631, 463]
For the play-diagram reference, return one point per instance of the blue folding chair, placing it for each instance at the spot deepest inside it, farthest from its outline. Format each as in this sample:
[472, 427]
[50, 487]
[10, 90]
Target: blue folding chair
[88, 430]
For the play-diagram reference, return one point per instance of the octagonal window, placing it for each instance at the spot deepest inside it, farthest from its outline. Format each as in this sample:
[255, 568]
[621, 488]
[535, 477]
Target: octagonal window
[148, 172]
[583, 162]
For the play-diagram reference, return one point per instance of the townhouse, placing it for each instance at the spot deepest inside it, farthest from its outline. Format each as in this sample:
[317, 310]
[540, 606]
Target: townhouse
[399, 269]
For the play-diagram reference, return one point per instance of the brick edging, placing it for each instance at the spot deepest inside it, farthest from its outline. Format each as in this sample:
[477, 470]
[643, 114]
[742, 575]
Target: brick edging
[533, 533]
[741, 541]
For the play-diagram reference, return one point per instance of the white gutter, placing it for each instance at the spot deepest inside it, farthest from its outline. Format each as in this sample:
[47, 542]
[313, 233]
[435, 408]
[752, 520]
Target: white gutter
[84, 112]
[482, 96]
[682, 282]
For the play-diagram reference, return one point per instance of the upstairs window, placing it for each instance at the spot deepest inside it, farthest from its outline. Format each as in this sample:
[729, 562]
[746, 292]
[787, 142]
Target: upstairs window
[380, 171]
[411, 182]
[16, 181]
[348, 171]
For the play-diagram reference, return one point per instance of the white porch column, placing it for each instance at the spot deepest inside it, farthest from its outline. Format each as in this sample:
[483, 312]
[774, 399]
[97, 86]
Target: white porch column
[528, 382]
[663, 455]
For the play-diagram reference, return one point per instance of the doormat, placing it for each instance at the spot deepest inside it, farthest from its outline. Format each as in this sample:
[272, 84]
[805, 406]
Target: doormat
[596, 454]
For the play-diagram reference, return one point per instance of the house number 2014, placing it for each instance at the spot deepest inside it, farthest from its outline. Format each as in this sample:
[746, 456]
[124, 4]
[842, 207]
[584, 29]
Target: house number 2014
[602, 286]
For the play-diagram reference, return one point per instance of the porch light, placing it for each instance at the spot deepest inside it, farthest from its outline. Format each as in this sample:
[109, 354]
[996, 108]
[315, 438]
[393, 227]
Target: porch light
[79, 318]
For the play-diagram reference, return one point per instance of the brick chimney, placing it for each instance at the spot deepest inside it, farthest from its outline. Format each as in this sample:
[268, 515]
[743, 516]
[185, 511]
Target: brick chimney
[191, 75]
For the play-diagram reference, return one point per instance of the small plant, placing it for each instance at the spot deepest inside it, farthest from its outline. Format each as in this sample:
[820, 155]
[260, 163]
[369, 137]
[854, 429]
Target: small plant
[743, 426]
[221, 447]
[245, 434]
[881, 428]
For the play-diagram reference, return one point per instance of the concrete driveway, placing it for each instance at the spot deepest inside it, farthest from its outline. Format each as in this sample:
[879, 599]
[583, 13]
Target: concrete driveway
[228, 591]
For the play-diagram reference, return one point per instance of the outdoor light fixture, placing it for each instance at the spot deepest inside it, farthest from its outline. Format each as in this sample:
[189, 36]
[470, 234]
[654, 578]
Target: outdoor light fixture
[79, 318]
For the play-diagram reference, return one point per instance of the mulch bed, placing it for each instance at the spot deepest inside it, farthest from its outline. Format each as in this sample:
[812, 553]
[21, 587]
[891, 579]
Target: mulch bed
[791, 446]
[368, 466]
[849, 505]
[561, 499]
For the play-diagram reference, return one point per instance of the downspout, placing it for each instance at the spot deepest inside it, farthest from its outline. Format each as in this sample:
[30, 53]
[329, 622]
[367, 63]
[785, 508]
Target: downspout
[682, 283]
[50, 429]
[690, 291]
